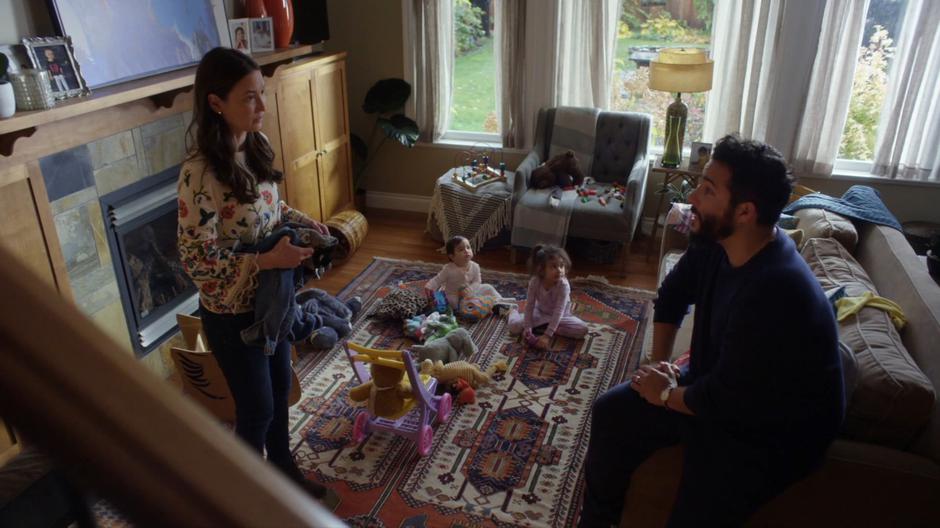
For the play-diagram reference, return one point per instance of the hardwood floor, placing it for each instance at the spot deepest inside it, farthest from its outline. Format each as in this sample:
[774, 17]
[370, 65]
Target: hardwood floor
[400, 234]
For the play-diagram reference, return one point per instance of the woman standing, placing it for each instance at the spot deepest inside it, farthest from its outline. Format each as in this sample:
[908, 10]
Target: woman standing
[228, 197]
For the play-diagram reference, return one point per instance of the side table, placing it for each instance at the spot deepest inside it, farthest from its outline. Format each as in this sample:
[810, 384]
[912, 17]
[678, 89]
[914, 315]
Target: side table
[478, 215]
[671, 176]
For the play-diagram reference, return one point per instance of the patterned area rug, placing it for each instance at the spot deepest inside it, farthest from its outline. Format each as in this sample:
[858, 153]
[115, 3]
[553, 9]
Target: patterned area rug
[514, 458]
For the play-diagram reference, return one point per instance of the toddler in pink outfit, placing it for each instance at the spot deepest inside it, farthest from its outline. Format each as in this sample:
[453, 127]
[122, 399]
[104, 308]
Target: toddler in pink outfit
[548, 303]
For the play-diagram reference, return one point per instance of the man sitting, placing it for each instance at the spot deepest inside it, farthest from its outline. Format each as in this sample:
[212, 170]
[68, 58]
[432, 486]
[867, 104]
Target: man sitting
[761, 398]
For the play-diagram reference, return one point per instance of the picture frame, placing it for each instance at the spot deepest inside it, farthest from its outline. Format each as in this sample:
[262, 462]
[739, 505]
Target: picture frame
[16, 53]
[116, 42]
[55, 55]
[262, 34]
[238, 32]
[700, 154]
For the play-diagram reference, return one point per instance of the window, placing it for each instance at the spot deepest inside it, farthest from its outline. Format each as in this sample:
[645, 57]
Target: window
[474, 104]
[646, 26]
[870, 85]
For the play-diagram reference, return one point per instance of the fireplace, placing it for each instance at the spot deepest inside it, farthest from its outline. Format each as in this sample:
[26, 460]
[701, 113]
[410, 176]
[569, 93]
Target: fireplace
[140, 221]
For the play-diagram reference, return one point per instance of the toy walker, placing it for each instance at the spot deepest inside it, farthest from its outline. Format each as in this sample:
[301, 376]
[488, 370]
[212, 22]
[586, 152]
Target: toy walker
[415, 419]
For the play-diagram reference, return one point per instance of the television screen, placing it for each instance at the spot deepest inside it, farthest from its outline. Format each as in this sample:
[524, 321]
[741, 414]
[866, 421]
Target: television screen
[120, 40]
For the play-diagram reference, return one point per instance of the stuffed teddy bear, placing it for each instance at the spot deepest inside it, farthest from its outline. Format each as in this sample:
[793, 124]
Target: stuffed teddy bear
[452, 347]
[461, 369]
[563, 171]
[387, 394]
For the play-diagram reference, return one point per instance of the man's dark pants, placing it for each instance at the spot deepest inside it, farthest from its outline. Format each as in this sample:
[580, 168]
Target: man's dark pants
[723, 480]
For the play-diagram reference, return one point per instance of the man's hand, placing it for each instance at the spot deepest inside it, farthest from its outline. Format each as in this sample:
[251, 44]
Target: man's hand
[650, 381]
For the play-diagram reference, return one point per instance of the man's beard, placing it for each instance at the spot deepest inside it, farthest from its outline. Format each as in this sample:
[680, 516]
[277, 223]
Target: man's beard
[714, 228]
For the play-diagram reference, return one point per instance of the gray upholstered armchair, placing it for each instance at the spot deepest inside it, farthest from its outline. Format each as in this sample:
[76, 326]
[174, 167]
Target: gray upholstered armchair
[620, 155]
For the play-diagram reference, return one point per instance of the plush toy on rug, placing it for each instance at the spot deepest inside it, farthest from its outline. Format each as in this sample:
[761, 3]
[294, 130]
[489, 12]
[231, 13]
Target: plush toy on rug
[563, 171]
[333, 317]
[462, 369]
[388, 394]
[431, 326]
[454, 346]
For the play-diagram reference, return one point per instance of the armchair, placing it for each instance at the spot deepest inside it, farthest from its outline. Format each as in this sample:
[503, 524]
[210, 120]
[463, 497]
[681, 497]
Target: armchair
[621, 140]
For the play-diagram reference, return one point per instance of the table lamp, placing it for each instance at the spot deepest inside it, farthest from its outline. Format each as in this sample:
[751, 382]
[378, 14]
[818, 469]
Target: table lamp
[679, 70]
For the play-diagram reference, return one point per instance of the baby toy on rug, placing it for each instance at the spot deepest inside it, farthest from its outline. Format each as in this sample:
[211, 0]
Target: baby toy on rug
[332, 318]
[452, 347]
[388, 394]
[462, 369]
[431, 326]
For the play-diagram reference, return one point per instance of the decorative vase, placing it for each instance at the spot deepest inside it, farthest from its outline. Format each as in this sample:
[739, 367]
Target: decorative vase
[255, 8]
[7, 100]
[282, 14]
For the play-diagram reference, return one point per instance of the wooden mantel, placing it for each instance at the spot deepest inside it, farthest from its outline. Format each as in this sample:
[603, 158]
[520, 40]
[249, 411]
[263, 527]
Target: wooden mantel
[161, 89]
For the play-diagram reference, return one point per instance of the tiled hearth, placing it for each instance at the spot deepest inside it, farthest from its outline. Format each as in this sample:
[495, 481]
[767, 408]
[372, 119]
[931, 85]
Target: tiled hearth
[75, 179]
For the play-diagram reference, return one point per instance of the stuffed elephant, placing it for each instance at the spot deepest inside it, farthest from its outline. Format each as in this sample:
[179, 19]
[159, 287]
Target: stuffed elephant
[452, 347]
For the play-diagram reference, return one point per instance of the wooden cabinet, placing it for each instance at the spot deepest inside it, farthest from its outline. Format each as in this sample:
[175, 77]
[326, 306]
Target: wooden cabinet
[311, 125]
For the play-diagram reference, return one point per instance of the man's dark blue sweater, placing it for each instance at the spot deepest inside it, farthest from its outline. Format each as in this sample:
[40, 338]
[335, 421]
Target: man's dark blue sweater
[764, 365]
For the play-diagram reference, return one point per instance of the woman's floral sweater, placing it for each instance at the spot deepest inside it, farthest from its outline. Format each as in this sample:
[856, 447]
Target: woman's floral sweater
[212, 223]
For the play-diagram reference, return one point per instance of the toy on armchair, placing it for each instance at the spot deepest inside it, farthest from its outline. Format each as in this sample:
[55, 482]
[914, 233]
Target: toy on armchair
[563, 171]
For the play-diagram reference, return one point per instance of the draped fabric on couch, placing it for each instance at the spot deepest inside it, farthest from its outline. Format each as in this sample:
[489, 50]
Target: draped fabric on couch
[621, 140]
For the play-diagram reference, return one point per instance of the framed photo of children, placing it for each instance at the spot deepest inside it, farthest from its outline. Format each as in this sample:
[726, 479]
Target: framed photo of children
[701, 153]
[262, 34]
[238, 29]
[54, 54]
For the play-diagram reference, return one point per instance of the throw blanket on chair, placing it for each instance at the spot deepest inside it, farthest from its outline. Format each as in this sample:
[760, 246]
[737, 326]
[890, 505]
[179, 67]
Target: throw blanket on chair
[574, 130]
[860, 202]
[535, 220]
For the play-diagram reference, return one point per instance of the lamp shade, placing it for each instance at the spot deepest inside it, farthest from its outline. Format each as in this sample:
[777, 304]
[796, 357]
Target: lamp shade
[683, 70]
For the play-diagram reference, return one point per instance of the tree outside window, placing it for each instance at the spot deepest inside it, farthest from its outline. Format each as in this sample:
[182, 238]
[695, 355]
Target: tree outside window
[473, 106]
[644, 28]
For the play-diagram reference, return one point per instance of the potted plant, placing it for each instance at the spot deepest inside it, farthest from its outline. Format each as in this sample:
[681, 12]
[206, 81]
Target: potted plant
[385, 100]
[933, 256]
[7, 100]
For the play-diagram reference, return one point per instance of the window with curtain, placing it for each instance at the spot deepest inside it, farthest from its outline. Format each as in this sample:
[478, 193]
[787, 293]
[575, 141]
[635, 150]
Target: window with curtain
[870, 85]
[646, 26]
[473, 111]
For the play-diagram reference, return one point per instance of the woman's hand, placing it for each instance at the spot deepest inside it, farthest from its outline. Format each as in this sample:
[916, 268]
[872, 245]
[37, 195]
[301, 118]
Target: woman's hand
[284, 255]
[320, 227]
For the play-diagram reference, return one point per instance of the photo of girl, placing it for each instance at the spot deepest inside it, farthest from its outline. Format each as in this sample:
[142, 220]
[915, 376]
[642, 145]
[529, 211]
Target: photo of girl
[239, 30]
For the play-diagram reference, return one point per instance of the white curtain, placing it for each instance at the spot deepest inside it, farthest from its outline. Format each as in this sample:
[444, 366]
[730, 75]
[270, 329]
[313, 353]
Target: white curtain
[432, 64]
[510, 81]
[747, 59]
[587, 33]
[827, 104]
[908, 144]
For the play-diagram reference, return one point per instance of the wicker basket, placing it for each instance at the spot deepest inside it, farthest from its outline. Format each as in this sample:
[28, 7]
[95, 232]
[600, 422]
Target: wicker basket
[350, 227]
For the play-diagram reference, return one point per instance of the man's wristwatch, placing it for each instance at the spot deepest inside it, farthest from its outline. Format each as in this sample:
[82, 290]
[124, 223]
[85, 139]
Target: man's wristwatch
[664, 395]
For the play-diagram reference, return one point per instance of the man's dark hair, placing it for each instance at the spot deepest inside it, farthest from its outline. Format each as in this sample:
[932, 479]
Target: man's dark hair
[758, 174]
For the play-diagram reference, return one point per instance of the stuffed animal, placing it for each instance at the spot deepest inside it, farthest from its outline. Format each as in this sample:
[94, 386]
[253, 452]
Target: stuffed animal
[388, 392]
[400, 303]
[563, 171]
[333, 317]
[431, 326]
[462, 392]
[452, 347]
[461, 369]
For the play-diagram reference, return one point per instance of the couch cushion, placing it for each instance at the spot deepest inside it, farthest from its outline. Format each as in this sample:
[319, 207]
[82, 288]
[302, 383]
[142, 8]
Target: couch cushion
[892, 399]
[819, 223]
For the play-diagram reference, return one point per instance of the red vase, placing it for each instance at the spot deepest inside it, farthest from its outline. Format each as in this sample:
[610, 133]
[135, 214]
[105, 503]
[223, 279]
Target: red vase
[282, 13]
[255, 9]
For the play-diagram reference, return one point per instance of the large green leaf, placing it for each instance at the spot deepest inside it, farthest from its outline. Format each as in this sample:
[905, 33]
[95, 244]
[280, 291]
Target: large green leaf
[359, 147]
[386, 95]
[400, 128]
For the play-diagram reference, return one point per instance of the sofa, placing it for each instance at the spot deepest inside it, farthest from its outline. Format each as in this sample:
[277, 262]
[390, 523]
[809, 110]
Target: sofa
[885, 468]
